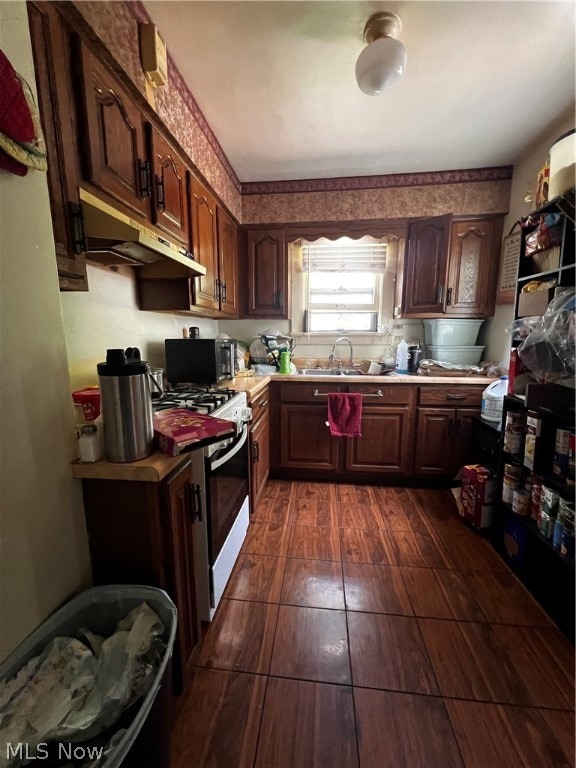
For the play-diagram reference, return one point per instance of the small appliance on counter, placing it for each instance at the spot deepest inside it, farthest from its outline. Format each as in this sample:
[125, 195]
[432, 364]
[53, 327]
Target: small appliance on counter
[414, 357]
[200, 361]
[124, 381]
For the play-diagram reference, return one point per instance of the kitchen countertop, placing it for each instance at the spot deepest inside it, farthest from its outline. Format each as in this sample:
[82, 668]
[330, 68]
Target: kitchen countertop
[158, 465]
[254, 384]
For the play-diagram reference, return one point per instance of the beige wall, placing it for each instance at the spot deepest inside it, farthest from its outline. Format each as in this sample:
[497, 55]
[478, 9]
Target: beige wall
[107, 316]
[43, 556]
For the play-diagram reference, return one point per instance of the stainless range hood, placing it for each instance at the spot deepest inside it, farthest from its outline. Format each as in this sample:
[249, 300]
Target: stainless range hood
[112, 238]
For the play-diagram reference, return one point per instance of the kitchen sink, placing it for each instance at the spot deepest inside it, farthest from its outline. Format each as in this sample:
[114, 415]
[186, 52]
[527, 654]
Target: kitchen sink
[329, 372]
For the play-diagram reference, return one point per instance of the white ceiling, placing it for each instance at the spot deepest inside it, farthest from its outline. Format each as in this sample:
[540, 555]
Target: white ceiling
[276, 83]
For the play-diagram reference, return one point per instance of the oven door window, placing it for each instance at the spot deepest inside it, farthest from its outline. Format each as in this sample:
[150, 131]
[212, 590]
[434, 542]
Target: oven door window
[227, 489]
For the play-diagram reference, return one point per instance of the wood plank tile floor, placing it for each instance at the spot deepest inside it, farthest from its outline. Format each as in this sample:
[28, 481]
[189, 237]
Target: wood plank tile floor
[368, 627]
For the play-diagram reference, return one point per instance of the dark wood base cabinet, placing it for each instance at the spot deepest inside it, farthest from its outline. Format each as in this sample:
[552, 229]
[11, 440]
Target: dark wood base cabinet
[306, 449]
[410, 433]
[259, 445]
[143, 533]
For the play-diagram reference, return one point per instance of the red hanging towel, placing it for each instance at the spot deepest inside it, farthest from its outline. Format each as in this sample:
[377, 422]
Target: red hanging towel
[344, 414]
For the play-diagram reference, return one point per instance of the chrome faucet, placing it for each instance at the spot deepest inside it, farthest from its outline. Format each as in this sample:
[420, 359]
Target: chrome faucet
[331, 357]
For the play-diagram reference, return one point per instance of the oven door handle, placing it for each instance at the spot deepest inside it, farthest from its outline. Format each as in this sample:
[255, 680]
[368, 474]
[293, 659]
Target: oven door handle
[232, 452]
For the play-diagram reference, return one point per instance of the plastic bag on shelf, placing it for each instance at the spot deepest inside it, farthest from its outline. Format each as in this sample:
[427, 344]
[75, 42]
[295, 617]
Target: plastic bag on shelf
[522, 327]
[548, 351]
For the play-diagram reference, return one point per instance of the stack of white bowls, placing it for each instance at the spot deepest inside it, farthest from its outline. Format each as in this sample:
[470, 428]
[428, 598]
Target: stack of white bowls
[453, 340]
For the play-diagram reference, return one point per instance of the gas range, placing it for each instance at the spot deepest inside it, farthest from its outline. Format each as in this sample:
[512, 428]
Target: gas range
[206, 400]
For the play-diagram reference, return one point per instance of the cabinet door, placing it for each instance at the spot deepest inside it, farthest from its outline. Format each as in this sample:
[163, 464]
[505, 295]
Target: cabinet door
[462, 440]
[204, 239]
[473, 270]
[115, 145]
[434, 437]
[385, 444]
[227, 263]
[180, 564]
[51, 50]
[169, 198]
[306, 440]
[267, 274]
[260, 456]
[425, 266]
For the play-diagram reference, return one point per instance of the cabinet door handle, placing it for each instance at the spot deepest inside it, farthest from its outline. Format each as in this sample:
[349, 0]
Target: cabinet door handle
[280, 299]
[457, 425]
[449, 297]
[78, 233]
[440, 294]
[454, 396]
[450, 425]
[144, 170]
[223, 296]
[195, 498]
[256, 451]
[217, 289]
[263, 404]
[160, 200]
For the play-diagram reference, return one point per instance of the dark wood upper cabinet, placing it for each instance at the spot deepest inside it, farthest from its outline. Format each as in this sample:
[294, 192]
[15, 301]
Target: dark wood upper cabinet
[114, 152]
[267, 274]
[50, 38]
[473, 267]
[204, 244]
[425, 266]
[169, 195]
[451, 267]
[227, 263]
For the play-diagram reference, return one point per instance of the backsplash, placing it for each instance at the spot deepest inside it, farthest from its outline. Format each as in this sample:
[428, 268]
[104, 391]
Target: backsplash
[107, 317]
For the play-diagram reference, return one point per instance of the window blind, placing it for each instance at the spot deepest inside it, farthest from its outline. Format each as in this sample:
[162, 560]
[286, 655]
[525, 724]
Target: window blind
[339, 256]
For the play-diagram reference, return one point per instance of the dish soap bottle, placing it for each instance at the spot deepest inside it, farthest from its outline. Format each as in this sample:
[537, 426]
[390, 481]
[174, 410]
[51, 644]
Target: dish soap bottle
[402, 357]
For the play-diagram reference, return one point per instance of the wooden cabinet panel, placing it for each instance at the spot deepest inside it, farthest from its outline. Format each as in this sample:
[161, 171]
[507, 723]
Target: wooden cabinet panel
[384, 446]
[259, 454]
[425, 265]
[306, 442]
[169, 193]
[204, 244]
[443, 440]
[259, 444]
[306, 393]
[473, 267]
[447, 395]
[180, 565]
[267, 279]
[451, 267]
[51, 49]
[462, 453]
[115, 156]
[433, 454]
[382, 395]
[227, 263]
[143, 533]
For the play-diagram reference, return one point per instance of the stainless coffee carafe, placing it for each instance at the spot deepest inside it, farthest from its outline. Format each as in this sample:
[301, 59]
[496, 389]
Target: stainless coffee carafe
[124, 381]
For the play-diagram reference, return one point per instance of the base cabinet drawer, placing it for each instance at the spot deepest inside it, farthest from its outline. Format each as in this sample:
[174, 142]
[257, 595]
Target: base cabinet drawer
[451, 396]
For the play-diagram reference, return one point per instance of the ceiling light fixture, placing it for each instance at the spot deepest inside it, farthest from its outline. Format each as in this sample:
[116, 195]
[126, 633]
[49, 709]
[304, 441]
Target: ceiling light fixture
[383, 62]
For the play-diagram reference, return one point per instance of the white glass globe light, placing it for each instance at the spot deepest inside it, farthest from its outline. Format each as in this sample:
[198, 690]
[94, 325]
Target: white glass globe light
[380, 65]
[383, 62]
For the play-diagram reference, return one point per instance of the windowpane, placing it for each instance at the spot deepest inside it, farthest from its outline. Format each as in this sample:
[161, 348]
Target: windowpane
[342, 283]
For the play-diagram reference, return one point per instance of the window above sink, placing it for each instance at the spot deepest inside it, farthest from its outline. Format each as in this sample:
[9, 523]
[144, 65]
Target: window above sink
[343, 286]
